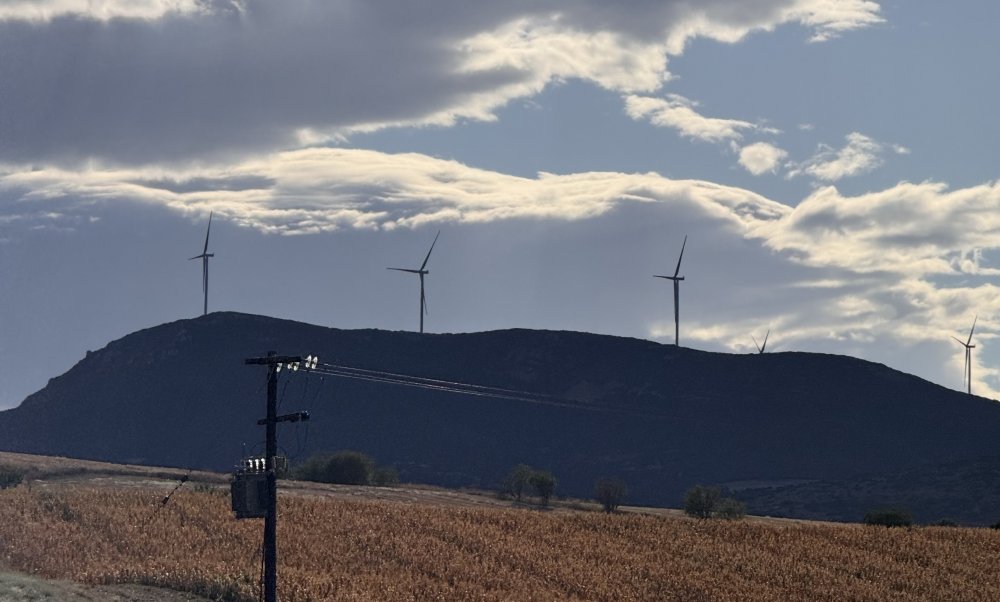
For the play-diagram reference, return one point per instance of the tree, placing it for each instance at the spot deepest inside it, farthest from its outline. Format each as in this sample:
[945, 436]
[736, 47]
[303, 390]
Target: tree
[700, 501]
[544, 485]
[610, 493]
[345, 467]
[517, 480]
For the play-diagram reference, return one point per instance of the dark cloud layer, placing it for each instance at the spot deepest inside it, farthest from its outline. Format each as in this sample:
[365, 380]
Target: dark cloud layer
[230, 79]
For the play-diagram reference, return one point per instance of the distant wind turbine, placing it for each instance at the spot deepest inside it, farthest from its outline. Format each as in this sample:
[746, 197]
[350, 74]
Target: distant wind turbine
[761, 347]
[204, 263]
[967, 373]
[421, 272]
[677, 293]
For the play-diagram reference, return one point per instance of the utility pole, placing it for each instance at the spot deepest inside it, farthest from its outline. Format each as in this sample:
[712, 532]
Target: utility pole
[272, 361]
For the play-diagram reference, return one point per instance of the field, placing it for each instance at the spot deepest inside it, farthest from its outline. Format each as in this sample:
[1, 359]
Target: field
[335, 547]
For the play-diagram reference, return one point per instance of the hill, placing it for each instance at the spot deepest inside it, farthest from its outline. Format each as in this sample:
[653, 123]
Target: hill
[664, 418]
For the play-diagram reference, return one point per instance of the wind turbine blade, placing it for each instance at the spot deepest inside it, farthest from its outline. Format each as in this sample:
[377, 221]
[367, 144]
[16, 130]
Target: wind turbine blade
[209, 231]
[684, 244]
[424, 264]
[971, 330]
[423, 301]
[960, 341]
[404, 270]
[764, 346]
[755, 344]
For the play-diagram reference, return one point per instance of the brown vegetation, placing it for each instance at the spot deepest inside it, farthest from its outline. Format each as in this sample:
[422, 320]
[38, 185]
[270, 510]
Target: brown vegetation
[333, 549]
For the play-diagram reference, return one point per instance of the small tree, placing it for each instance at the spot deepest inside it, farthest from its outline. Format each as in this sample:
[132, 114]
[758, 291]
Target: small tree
[544, 485]
[700, 501]
[610, 493]
[517, 480]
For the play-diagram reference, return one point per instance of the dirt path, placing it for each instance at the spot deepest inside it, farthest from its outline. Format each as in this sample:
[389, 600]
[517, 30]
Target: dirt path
[18, 587]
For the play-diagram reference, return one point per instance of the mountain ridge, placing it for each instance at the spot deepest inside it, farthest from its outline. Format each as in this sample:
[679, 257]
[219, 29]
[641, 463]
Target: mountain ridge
[178, 394]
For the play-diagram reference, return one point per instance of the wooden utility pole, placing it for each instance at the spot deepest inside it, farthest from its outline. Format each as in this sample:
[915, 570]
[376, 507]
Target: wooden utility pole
[272, 362]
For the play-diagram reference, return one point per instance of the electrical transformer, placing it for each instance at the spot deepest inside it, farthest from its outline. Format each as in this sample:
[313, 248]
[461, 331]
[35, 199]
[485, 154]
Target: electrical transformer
[249, 493]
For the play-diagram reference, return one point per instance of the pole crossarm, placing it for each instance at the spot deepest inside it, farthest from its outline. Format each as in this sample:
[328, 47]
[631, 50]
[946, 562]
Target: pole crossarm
[272, 360]
[293, 417]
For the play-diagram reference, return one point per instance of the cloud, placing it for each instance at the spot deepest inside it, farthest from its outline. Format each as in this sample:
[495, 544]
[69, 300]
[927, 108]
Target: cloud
[761, 157]
[917, 230]
[860, 155]
[323, 189]
[831, 19]
[142, 81]
[678, 113]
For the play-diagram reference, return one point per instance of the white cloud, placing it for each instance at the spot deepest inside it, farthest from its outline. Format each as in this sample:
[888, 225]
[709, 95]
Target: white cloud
[860, 155]
[678, 113]
[917, 230]
[761, 157]
[831, 19]
[320, 189]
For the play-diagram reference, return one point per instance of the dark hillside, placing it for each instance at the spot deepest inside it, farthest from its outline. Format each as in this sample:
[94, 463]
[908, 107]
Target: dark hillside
[179, 394]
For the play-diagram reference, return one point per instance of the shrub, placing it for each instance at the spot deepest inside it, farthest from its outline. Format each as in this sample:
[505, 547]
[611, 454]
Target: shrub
[385, 476]
[344, 467]
[730, 509]
[610, 493]
[544, 484]
[10, 477]
[889, 517]
[700, 501]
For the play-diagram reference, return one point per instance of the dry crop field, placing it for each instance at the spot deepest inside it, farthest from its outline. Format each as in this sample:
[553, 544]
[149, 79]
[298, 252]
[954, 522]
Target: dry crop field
[337, 549]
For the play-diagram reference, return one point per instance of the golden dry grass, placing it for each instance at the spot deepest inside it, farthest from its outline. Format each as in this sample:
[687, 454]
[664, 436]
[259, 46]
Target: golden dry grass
[334, 549]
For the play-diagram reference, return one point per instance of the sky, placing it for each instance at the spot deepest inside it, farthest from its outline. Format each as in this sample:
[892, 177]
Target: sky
[831, 162]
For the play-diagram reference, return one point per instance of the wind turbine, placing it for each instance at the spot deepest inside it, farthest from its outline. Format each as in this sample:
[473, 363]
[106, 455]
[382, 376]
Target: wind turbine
[204, 263]
[677, 293]
[421, 272]
[967, 373]
[761, 347]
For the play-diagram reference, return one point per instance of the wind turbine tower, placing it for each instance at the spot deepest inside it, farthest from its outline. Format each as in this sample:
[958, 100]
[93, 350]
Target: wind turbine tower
[967, 373]
[677, 293]
[422, 271]
[761, 347]
[204, 264]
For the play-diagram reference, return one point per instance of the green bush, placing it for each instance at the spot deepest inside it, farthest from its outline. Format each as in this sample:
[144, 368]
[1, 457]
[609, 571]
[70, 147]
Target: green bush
[344, 467]
[889, 517]
[610, 493]
[700, 501]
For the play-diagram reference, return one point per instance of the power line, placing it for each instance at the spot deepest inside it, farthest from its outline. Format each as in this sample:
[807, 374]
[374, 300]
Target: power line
[380, 376]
